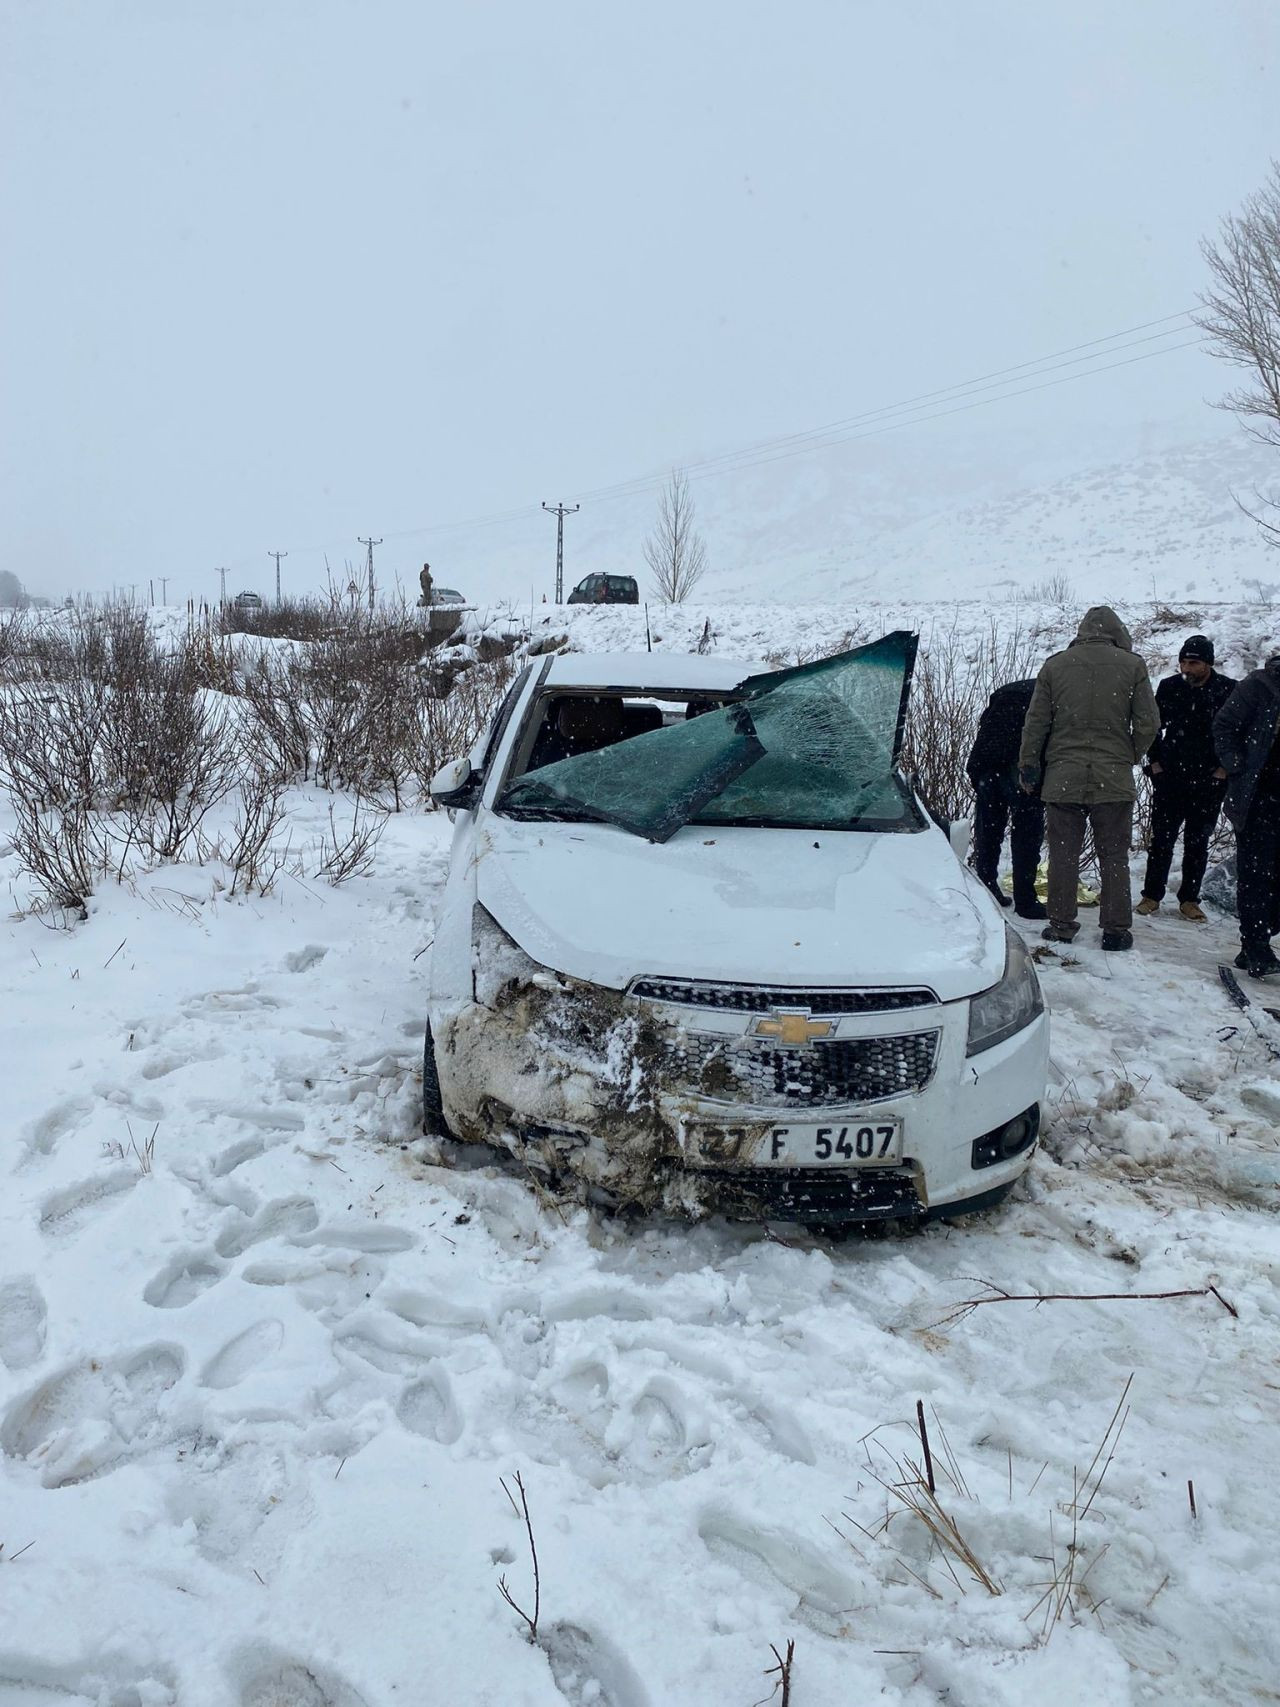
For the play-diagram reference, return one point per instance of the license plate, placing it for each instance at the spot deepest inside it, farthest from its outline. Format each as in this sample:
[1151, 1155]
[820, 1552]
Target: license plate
[806, 1144]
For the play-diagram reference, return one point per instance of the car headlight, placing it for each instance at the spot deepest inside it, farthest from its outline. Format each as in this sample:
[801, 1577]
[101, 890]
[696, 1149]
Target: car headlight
[1003, 1010]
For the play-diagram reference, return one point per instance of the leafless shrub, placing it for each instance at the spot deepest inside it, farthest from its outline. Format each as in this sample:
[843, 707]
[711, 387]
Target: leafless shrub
[1053, 590]
[279, 720]
[952, 683]
[61, 847]
[675, 551]
[251, 853]
[811, 652]
[347, 851]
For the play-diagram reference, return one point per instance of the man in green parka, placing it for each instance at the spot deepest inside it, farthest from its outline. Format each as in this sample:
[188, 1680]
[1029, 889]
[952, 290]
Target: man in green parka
[1092, 718]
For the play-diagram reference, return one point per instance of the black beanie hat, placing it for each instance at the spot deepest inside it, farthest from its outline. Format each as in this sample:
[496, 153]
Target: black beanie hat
[1198, 646]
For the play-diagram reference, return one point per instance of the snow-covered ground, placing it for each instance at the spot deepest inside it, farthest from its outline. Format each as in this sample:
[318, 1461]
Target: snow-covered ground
[267, 1361]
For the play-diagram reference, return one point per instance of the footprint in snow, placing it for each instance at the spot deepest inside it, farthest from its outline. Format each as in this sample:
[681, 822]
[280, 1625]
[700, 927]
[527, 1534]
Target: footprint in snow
[241, 1355]
[182, 1280]
[303, 959]
[22, 1323]
[67, 1211]
[294, 1685]
[283, 1218]
[42, 1136]
[428, 1408]
[589, 1671]
[93, 1416]
[822, 1595]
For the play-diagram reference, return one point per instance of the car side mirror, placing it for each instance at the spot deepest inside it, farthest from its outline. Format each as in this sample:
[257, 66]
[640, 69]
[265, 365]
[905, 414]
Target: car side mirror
[455, 785]
[959, 835]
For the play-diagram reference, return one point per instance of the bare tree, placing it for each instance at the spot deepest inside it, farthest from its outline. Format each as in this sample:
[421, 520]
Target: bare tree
[675, 550]
[1240, 313]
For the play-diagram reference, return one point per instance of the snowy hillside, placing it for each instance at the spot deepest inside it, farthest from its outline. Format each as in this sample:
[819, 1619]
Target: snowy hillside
[269, 1357]
[878, 521]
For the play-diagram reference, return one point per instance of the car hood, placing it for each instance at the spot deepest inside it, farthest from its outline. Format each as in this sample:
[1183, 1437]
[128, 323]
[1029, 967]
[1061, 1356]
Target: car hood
[742, 906]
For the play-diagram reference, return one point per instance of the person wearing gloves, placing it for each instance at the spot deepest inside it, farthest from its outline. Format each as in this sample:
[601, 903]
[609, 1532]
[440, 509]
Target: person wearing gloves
[1246, 737]
[1091, 719]
[1187, 782]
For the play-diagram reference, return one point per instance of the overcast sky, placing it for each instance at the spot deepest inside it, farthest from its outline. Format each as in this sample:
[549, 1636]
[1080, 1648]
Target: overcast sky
[277, 273]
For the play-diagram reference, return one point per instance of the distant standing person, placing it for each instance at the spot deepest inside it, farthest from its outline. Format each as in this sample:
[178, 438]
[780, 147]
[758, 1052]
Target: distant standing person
[1000, 804]
[1246, 735]
[424, 581]
[1187, 782]
[1092, 717]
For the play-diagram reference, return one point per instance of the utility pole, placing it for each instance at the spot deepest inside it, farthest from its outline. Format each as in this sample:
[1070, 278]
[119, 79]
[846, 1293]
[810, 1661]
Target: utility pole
[164, 588]
[560, 511]
[277, 555]
[222, 583]
[370, 542]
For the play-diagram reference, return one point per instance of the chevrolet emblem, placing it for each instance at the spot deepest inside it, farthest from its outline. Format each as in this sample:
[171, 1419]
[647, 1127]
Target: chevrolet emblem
[794, 1028]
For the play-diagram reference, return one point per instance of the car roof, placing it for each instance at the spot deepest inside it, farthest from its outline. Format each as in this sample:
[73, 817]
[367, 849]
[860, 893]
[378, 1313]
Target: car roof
[650, 671]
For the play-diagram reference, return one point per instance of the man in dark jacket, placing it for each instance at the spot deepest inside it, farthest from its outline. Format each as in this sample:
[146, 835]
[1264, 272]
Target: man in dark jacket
[1187, 782]
[999, 803]
[1092, 717]
[1246, 736]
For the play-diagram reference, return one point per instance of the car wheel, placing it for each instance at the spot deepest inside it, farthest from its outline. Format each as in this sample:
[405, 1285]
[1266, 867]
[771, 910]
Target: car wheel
[434, 1124]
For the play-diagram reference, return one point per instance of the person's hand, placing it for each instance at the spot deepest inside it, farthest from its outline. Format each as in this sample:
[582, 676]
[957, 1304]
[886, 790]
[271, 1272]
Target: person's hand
[1155, 767]
[1219, 775]
[1027, 787]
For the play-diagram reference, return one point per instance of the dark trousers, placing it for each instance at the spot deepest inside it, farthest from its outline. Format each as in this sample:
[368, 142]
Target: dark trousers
[1112, 824]
[1193, 809]
[1258, 873]
[1000, 806]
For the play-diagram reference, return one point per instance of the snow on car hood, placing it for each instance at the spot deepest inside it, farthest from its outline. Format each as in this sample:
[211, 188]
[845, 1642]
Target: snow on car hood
[742, 905]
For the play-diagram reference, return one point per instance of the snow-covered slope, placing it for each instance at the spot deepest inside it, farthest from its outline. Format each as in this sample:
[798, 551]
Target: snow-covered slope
[884, 521]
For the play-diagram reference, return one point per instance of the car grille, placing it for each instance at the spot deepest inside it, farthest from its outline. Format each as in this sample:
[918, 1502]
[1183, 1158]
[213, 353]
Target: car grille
[819, 1196]
[752, 999]
[854, 1071]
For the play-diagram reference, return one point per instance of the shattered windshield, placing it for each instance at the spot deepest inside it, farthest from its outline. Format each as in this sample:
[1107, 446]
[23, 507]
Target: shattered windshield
[807, 748]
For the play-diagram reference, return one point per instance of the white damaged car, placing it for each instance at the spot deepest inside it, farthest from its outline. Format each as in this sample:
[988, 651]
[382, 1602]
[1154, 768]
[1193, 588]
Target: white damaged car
[702, 949]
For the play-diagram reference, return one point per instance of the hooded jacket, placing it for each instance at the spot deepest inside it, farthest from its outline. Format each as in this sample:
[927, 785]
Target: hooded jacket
[1093, 716]
[1244, 734]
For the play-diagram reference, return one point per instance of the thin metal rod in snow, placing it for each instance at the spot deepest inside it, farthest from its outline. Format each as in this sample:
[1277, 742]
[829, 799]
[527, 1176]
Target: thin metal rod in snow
[998, 1295]
[522, 1510]
[924, 1442]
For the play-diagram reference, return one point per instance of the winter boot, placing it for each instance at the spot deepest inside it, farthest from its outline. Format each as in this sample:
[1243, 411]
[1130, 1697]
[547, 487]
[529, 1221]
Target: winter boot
[1059, 933]
[1264, 957]
[1147, 906]
[1034, 908]
[1190, 910]
[1115, 942]
[994, 886]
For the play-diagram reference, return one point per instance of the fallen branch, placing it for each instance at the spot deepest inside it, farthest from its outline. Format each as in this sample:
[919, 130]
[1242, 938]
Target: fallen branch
[782, 1671]
[522, 1510]
[997, 1295]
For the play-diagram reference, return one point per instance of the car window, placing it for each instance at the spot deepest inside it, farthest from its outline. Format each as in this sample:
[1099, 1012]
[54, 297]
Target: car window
[503, 717]
[814, 747]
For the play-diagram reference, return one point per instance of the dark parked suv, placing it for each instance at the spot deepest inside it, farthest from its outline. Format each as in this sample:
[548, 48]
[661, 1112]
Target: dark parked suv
[606, 590]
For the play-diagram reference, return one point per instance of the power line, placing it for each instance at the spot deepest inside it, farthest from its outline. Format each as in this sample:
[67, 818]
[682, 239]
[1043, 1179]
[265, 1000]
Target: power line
[560, 511]
[277, 555]
[370, 542]
[914, 409]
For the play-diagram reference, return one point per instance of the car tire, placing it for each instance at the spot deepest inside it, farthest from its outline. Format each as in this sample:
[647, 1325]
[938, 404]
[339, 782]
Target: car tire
[434, 1124]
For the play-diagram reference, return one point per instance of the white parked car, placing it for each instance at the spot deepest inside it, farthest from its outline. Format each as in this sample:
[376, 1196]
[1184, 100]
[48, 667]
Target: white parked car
[702, 947]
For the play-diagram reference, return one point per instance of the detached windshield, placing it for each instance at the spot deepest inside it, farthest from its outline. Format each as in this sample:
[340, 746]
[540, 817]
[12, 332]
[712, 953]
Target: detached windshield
[809, 748]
